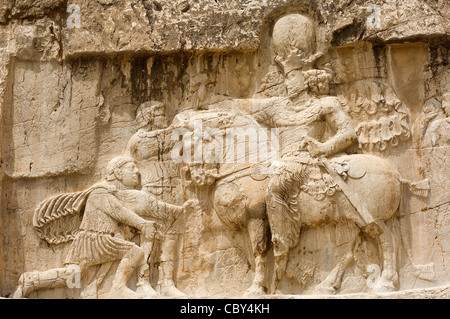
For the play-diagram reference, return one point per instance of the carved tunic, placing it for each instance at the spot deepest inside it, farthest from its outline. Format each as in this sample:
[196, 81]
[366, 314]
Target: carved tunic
[101, 236]
[103, 213]
[148, 149]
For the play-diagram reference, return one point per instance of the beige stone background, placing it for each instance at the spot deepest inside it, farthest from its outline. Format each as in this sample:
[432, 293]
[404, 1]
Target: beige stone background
[68, 96]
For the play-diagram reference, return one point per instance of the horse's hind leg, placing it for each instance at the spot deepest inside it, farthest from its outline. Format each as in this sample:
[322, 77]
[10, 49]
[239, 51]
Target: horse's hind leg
[258, 229]
[389, 244]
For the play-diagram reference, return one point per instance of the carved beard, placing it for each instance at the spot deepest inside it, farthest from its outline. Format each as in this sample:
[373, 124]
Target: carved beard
[295, 83]
[294, 91]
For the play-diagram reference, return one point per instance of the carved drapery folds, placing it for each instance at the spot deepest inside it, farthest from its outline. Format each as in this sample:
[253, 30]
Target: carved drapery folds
[306, 156]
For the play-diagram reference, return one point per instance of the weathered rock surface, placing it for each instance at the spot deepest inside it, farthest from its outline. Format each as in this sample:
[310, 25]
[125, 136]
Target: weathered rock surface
[80, 85]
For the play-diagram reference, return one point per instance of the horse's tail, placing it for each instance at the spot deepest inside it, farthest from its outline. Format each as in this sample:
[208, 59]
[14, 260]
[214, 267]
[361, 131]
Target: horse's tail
[425, 272]
[421, 189]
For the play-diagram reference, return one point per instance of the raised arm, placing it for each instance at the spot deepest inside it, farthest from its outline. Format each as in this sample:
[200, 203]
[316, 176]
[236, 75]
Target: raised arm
[339, 122]
[149, 206]
[130, 149]
[262, 110]
[146, 205]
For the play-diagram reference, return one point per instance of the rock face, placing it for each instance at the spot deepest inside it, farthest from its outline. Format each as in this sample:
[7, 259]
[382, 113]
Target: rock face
[196, 148]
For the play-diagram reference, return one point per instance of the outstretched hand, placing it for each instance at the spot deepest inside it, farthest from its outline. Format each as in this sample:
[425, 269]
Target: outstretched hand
[151, 230]
[191, 205]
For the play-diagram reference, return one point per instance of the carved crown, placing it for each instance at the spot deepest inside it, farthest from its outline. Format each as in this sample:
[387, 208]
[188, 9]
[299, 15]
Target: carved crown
[297, 60]
[294, 42]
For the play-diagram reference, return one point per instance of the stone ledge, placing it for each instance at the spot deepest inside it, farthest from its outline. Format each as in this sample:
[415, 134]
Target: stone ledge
[442, 292]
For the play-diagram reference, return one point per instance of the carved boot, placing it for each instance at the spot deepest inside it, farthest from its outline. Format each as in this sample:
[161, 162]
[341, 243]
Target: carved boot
[143, 285]
[166, 284]
[27, 283]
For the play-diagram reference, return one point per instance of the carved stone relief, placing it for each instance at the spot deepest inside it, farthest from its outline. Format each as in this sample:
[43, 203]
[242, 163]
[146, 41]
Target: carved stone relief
[304, 155]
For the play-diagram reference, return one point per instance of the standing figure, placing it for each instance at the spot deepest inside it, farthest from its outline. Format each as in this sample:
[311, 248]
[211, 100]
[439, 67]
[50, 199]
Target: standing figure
[148, 146]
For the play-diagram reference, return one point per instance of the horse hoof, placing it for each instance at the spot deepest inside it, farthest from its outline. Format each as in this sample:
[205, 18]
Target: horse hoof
[383, 286]
[144, 288]
[167, 288]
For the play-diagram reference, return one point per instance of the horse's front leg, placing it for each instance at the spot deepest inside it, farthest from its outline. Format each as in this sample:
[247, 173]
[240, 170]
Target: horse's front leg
[258, 229]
